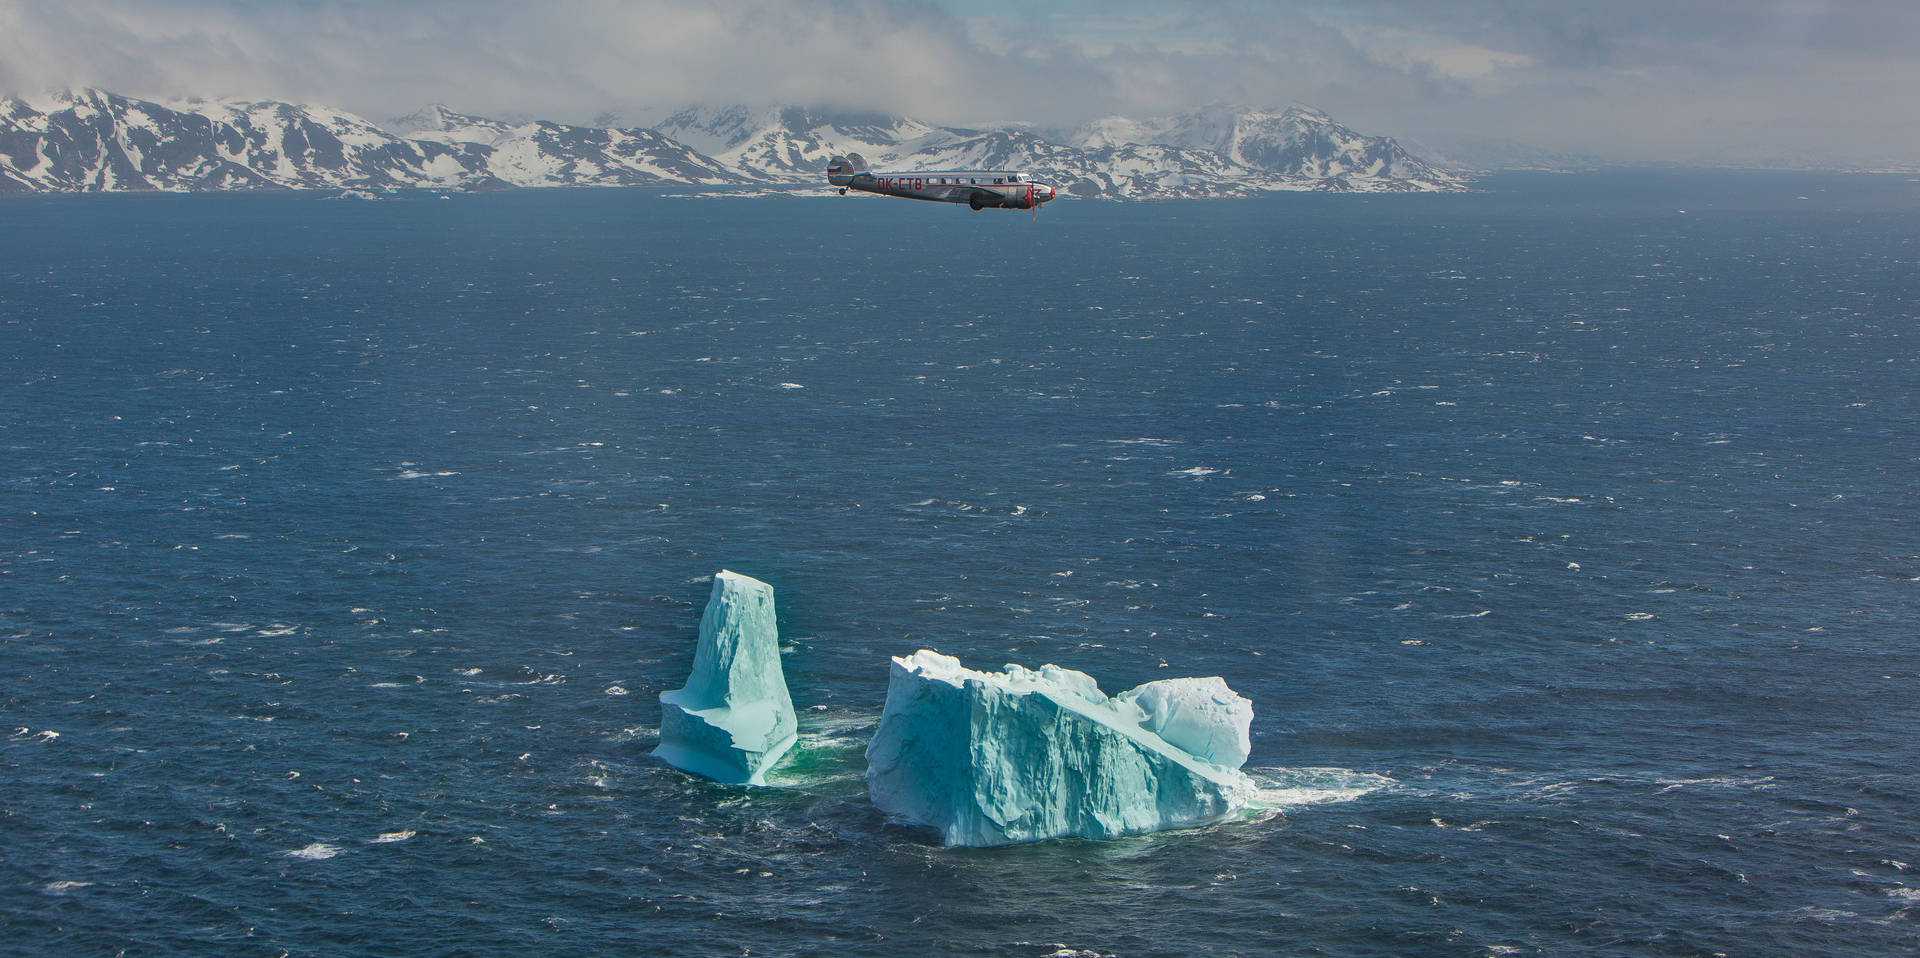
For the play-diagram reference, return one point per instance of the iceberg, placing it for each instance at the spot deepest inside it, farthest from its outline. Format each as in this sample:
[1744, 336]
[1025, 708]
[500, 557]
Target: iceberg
[1201, 717]
[734, 719]
[1023, 755]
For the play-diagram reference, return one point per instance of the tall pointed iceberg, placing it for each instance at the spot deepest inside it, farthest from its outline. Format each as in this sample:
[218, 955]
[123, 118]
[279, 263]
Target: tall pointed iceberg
[1022, 755]
[734, 719]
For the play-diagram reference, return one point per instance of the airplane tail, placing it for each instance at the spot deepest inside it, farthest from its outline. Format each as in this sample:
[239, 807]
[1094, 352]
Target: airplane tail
[842, 169]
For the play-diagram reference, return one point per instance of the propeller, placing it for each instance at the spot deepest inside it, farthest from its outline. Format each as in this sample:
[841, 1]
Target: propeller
[1034, 197]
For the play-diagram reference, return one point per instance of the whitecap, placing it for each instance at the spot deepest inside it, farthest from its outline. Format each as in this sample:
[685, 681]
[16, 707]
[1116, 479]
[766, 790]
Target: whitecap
[1282, 788]
[315, 852]
[399, 836]
[1717, 781]
[1197, 471]
[62, 887]
[1826, 915]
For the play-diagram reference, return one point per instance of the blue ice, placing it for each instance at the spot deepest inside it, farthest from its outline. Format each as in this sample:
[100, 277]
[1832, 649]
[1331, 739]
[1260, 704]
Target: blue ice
[734, 719]
[1022, 755]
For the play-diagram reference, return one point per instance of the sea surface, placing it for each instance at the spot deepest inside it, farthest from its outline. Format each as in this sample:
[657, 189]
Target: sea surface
[1565, 535]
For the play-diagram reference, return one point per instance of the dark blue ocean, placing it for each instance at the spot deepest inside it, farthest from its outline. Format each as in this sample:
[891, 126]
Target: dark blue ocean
[1565, 535]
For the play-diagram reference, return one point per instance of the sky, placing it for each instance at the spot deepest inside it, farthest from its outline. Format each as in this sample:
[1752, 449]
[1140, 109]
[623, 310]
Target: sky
[1810, 82]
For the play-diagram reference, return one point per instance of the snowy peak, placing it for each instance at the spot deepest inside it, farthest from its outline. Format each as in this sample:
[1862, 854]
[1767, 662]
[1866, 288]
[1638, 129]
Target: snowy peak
[1219, 150]
[731, 129]
[436, 122]
[90, 140]
[556, 154]
[1210, 127]
[85, 141]
[789, 143]
[1297, 144]
[19, 116]
[714, 131]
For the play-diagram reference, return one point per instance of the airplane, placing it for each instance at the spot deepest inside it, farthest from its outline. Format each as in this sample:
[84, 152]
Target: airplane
[980, 189]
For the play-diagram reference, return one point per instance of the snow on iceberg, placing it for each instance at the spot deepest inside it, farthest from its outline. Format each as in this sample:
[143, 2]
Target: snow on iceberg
[1023, 755]
[734, 719]
[1201, 717]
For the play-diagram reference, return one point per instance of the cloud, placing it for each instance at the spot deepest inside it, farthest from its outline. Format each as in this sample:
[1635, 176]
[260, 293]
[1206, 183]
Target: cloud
[1631, 78]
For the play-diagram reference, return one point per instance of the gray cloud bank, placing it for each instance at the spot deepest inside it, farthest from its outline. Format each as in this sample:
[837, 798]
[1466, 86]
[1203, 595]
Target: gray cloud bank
[1833, 82]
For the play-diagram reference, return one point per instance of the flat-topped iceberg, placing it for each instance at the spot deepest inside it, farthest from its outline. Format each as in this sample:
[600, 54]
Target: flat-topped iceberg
[734, 719]
[1022, 755]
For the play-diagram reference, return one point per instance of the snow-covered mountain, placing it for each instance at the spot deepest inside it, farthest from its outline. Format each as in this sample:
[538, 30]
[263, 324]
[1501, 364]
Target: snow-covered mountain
[792, 144]
[88, 140]
[1217, 151]
[1300, 146]
[542, 153]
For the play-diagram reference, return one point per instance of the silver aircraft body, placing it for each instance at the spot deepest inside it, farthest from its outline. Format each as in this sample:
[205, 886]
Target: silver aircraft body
[980, 189]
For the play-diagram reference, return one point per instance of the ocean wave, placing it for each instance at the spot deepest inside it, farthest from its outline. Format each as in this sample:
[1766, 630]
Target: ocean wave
[317, 851]
[1284, 788]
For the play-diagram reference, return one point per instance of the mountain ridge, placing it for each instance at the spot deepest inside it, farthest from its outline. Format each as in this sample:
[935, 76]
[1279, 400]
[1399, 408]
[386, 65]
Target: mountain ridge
[88, 140]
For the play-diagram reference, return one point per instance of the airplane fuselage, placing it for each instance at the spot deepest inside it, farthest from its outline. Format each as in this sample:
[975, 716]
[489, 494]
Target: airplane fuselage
[980, 189]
